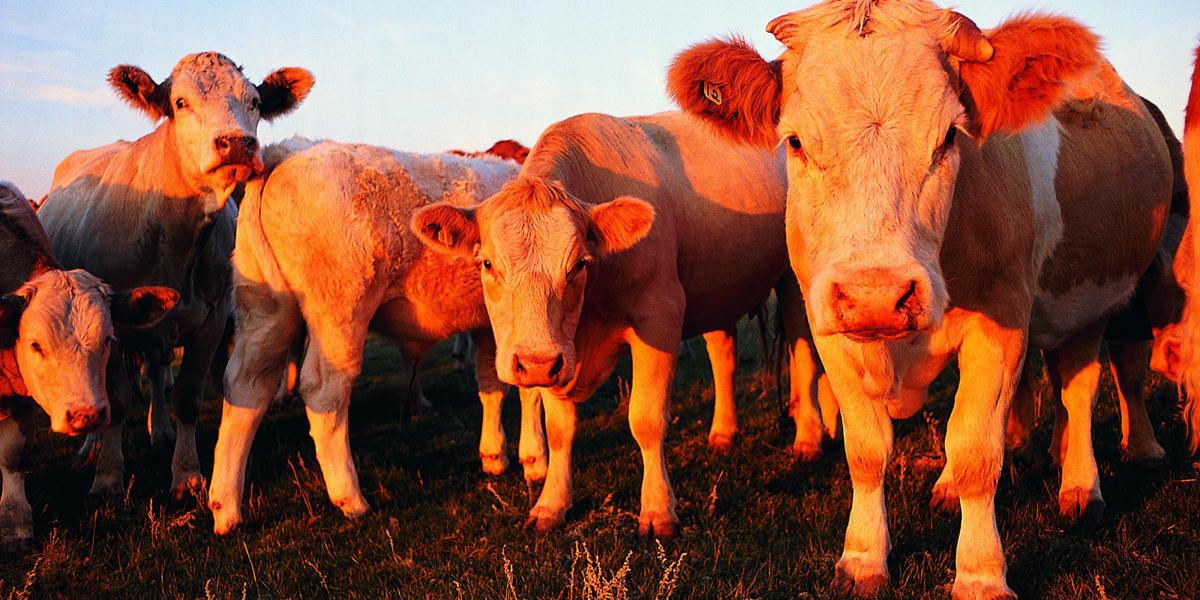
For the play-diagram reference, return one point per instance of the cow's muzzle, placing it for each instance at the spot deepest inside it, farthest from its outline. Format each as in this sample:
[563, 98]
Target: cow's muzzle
[878, 304]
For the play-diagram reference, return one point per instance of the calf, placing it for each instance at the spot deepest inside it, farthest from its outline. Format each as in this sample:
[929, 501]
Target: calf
[619, 233]
[156, 211]
[57, 329]
[918, 235]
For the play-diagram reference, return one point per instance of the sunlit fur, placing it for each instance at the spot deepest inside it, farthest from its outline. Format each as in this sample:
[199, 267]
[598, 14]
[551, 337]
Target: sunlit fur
[1186, 266]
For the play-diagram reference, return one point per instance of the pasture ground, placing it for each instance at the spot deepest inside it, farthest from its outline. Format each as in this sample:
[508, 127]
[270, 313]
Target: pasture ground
[755, 525]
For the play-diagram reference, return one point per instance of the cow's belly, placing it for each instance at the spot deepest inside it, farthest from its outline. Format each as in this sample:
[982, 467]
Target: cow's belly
[1058, 316]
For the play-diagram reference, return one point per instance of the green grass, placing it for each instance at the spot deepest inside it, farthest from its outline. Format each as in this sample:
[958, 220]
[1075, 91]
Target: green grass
[755, 525]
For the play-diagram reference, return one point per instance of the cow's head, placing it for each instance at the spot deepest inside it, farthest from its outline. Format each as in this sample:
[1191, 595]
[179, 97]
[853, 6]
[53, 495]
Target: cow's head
[510, 150]
[873, 101]
[535, 245]
[214, 113]
[61, 324]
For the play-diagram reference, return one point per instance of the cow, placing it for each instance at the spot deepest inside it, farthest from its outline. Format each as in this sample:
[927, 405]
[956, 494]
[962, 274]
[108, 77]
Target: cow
[625, 232]
[951, 194]
[57, 328]
[368, 274]
[506, 149]
[156, 211]
[1186, 267]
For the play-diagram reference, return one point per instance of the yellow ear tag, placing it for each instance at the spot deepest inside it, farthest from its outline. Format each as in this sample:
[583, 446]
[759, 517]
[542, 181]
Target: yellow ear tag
[711, 92]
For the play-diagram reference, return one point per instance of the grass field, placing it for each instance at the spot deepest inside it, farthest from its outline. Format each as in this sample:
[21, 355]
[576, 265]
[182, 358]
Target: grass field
[755, 525]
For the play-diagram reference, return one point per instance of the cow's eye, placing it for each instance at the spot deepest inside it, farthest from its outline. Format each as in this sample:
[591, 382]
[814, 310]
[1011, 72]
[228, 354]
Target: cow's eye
[487, 265]
[580, 265]
[36, 347]
[254, 103]
[180, 104]
[794, 142]
[951, 135]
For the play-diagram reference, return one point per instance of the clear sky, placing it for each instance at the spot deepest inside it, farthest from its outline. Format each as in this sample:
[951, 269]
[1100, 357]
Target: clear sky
[430, 76]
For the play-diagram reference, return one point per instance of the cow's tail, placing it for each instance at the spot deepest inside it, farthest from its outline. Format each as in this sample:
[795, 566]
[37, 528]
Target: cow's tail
[1190, 276]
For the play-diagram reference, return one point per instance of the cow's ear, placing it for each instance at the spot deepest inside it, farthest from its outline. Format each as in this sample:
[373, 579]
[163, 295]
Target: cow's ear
[12, 306]
[136, 87]
[142, 307]
[619, 224]
[1033, 61]
[729, 85]
[283, 90]
[447, 228]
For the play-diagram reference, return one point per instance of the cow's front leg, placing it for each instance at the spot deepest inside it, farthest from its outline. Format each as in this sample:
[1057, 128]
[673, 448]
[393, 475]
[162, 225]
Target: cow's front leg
[532, 446]
[722, 356]
[199, 350]
[811, 401]
[654, 355]
[16, 518]
[862, 569]
[551, 508]
[1076, 366]
[493, 444]
[990, 361]
[158, 418]
[110, 459]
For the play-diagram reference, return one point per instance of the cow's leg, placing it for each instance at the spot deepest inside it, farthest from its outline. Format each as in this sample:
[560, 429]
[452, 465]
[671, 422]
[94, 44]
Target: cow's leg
[811, 401]
[110, 460]
[990, 361]
[16, 517]
[722, 355]
[199, 349]
[653, 349]
[415, 402]
[291, 376]
[158, 419]
[462, 347]
[862, 568]
[267, 321]
[334, 359]
[532, 447]
[551, 508]
[1130, 362]
[1019, 428]
[1077, 363]
[493, 444]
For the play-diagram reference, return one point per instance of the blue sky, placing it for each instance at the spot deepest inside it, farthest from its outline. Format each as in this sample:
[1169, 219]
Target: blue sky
[432, 76]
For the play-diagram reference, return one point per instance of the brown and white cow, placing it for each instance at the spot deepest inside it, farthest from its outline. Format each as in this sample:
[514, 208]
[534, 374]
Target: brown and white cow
[1186, 267]
[636, 233]
[56, 332]
[156, 211]
[951, 194]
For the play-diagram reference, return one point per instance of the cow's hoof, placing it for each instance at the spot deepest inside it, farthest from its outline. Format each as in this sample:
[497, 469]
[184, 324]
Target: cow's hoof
[806, 452]
[225, 519]
[720, 443]
[661, 525]
[945, 497]
[16, 529]
[979, 590]
[353, 507]
[188, 485]
[545, 518]
[534, 467]
[494, 464]
[106, 487]
[855, 578]
[161, 433]
[1078, 506]
[1149, 456]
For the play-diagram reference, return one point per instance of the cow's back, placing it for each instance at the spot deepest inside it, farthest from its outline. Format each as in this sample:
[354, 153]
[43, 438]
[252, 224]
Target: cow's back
[1114, 186]
[719, 207]
[351, 205]
[24, 246]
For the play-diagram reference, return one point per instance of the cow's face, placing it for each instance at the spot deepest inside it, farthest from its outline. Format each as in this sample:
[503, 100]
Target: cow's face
[64, 326]
[535, 245]
[873, 110]
[213, 111]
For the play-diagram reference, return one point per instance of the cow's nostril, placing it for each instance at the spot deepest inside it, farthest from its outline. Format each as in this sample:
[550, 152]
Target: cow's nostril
[222, 144]
[902, 303]
[558, 365]
[517, 366]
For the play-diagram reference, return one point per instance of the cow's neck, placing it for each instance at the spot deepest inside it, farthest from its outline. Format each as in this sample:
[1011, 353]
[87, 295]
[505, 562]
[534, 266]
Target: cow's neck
[161, 171]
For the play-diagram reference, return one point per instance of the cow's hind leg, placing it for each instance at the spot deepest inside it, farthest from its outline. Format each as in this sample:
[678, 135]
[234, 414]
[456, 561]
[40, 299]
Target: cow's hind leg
[334, 359]
[1129, 363]
[722, 355]
[158, 418]
[493, 443]
[267, 322]
[1076, 365]
[110, 459]
[16, 517]
[811, 401]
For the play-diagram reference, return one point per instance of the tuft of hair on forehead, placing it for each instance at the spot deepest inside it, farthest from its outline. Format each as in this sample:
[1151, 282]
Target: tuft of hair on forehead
[204, 60]
[856, 17]
[533, 193]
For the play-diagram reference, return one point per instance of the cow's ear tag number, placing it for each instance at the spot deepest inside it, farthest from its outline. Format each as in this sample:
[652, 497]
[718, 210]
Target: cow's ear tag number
[711, 92]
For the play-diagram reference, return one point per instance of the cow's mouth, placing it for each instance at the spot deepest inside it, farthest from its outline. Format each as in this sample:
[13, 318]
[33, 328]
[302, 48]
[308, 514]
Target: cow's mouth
[880, 335]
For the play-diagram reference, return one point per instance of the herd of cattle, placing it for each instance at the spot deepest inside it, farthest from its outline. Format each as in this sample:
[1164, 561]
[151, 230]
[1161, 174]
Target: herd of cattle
[911, 188]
